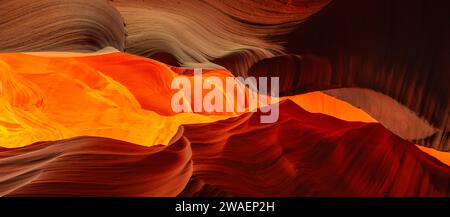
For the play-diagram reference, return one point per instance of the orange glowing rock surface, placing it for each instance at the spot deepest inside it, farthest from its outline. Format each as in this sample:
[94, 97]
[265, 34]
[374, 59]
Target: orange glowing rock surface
[114, 95]
[444, 157]
[318, 102]
[47, 98]
[111, 95]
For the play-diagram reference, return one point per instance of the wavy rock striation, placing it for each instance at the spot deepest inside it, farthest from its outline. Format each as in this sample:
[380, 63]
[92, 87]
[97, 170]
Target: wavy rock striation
[198, 33]
[95, 166]
[304, 154]
[57, 25]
